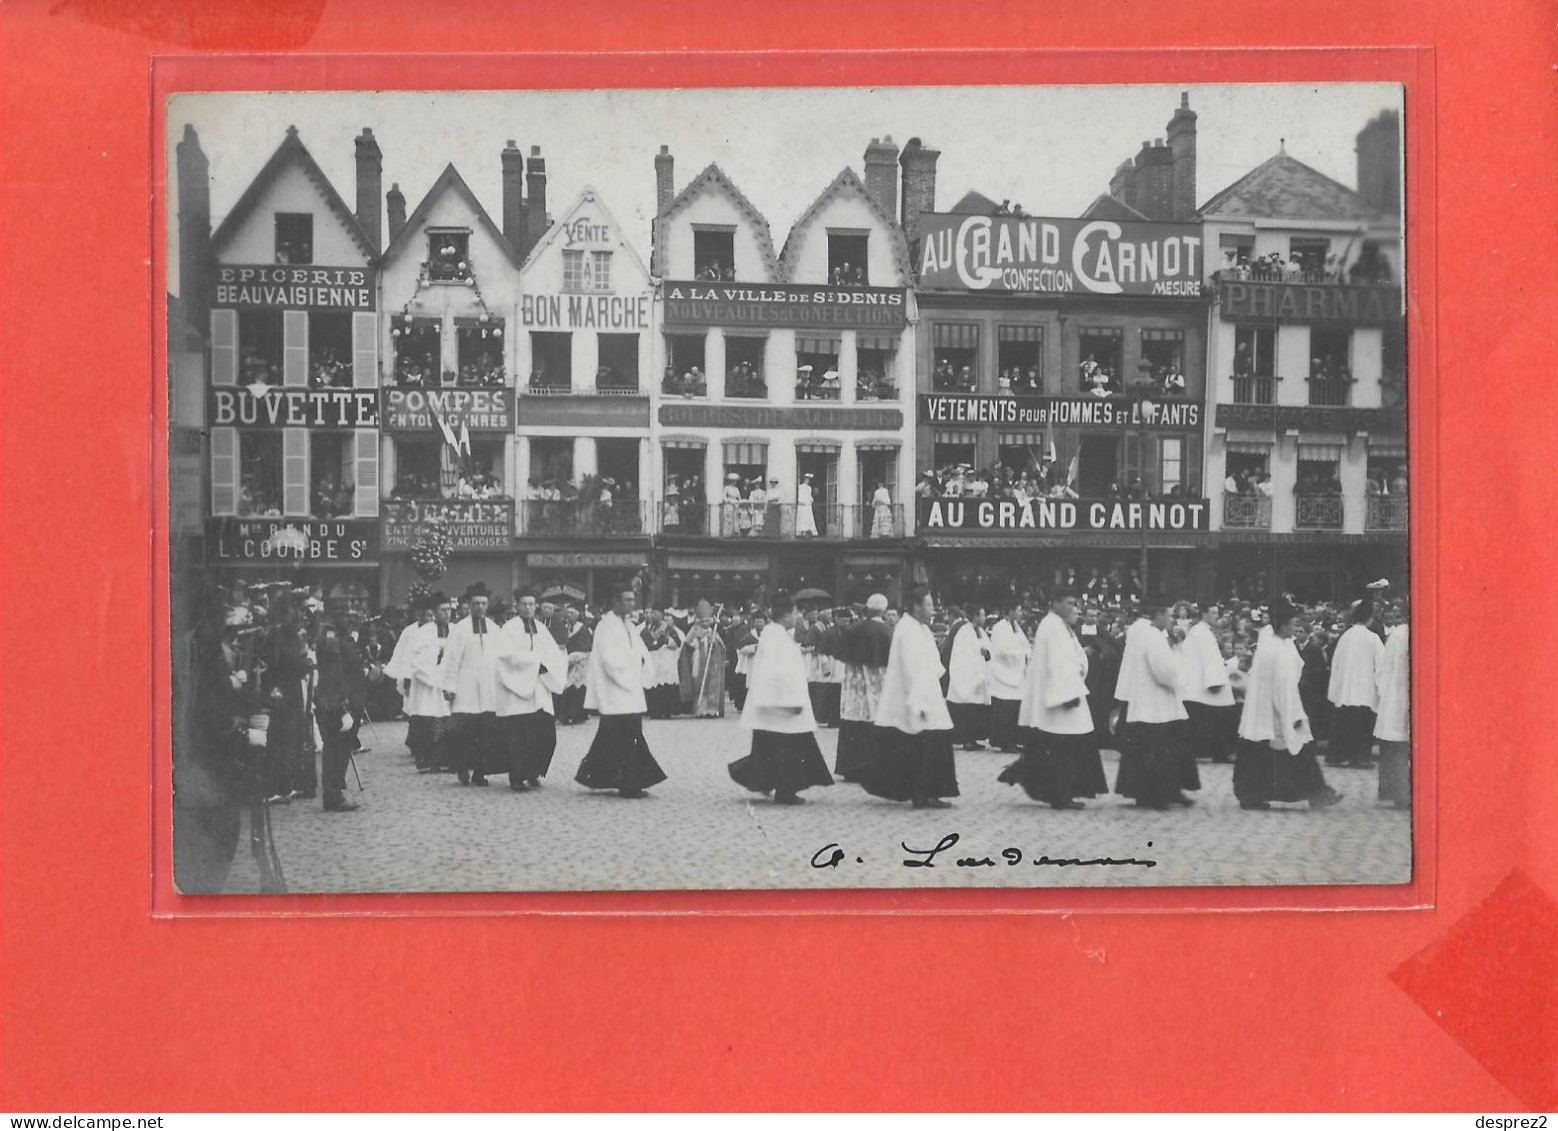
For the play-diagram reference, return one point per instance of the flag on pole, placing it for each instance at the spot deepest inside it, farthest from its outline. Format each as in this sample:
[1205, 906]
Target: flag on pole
[465, 438]
[443, 426]
[1049, 445]
[1071, 471]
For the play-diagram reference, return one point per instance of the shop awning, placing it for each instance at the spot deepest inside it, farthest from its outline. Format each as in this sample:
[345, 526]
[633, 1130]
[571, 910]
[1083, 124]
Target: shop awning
[684, 442]
[818, 447]
[883, 342]
[1022, 439]
[1249, 447]
[1389, 449]
[877, 445]
[1019, 333]
[951, 437]
[812, 343]
[1319, 452]
[746, 452]
[955, 335]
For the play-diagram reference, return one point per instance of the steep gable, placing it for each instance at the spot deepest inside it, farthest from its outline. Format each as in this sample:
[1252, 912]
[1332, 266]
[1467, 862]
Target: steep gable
[1106, 206]
[448, 181]
[591, 201]
[291, 153]
[714, 181]
[1284, 188]
[974, 203]
[846, 184]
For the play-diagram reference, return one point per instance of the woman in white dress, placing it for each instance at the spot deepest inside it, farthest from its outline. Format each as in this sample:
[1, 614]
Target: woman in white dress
[805, 516]
[732, 511]
[882, 513]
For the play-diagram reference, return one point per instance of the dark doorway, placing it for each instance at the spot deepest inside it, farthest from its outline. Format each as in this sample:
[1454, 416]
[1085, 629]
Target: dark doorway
[1098, 465]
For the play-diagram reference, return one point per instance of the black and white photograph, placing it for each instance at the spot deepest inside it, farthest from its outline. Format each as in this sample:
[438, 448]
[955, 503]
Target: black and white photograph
[809, 489]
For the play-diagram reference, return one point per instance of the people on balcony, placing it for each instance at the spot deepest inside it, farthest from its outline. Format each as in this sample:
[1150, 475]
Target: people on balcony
[540, 381]
[329, 371]
[810, 386]
[331, 498]
[254, 369]
[870, 385]
[414, 372]
[258, 495]
[744, 380]
[1318, 483]
[1100, 380]
[478, 484]
[882, 524]
[715, 272]
[805, 516]
[608, 380]
[945, 378]
[691, 383]
[482, 374]
[845, 275]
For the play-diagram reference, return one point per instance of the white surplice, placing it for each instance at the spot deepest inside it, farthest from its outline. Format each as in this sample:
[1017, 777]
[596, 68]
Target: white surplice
[1202, 668]
[911, 690]
[1273, 709]
[1009, 651]
[470, 667]
[968, 678]
[1057, 675]
[614, 678]
[778, 681]
[1355, 669]
[1394, 723]
[523, 687]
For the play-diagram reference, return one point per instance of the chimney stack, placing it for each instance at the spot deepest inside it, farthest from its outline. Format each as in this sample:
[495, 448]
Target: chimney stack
[1154, 181]
[370, 187]
[515, 226]
[395, 207]
[919, 184]
[535, 183]
[194, 187]
[1122, 186]
[1379, 162]
[881, 165]
[665, 179]
[1182, 144]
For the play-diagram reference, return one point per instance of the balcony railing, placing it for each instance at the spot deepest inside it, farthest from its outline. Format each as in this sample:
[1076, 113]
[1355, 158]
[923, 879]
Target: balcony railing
[570, 390]
[1319, 512]
[1330, 392]
[568, 518]
[1387, 512]
[1246, 512]
[818, 390]
[1254, 390]
[1295, 273]
[825, 522]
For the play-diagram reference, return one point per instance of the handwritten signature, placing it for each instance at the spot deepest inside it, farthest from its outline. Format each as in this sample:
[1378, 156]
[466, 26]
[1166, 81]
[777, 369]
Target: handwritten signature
[831, 855]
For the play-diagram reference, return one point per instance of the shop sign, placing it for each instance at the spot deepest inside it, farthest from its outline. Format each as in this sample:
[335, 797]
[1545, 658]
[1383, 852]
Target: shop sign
[284, 540]
[793, 306]
[585, 561]
[761, 417]
[472, 524]
[612, 314]
[252, 286]
[1036, 254]
[1099, 515]
[293, 408]
[1070, 412]
[419, 410]
[1310, 303]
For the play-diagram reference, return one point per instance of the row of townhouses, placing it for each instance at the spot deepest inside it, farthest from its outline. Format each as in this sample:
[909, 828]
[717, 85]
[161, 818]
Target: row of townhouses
[1189, 393]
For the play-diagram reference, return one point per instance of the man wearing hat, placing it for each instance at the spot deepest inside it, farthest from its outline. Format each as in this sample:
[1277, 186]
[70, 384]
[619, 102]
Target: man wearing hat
[470, 683]
[416, 662]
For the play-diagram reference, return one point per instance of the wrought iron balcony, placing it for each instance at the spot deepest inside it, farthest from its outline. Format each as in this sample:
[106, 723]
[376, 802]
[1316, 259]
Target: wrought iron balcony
[1386, 512]
[823, 522]
[1319, 512]
[1330, 392]
[1247, 512]
[578, 518]
[1254, 390]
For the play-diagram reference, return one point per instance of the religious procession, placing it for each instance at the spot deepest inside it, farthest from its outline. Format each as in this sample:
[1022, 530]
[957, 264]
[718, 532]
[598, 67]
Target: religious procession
[1276, 692]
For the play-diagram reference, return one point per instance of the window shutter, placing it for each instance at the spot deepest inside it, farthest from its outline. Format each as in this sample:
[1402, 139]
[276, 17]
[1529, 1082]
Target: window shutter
[224, 468]
[365, 349]
[294, 348]
[1133, 456]
[366, 500]
[294, 471]
[1192, 468]
[224, 347]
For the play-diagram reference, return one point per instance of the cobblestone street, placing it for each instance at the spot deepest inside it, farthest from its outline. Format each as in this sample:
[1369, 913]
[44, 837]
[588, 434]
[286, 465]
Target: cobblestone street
[424, 832]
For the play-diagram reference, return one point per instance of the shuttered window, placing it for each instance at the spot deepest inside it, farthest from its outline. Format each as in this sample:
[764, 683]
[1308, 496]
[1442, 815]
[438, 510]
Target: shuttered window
[365, 502]
[224, 470]
[224, 347]
[365, 349]
[294, 471]
[294, 349]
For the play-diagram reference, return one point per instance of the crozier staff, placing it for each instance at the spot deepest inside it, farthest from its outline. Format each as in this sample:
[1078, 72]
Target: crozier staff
[785, 758]
[531, 670]
[619, 758]
[912, 760]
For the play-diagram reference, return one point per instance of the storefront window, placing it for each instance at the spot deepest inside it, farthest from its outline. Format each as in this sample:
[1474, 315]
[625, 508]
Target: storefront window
[418, 469]
[416, 342]
[684, 372]
[816, 368]
[848, 259]
[1019, 360]
[259, 473]
[744, 375]
[1101, 369]
[329, 350]
[448, 256]
[714, 253]
[259, 347]
[618, 363]
[954, 357]
[294, 237]
[480, 346]
[332, 489]
[551, 361]
[876, 362]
